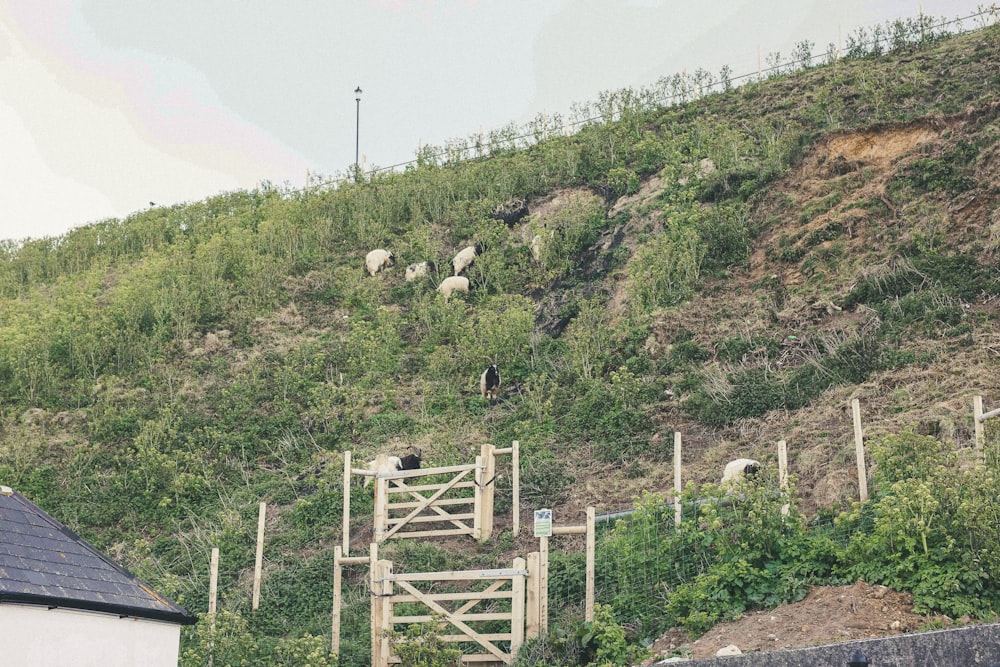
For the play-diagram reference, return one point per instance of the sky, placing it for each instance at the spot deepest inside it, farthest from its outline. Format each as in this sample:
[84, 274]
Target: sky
[110, 106]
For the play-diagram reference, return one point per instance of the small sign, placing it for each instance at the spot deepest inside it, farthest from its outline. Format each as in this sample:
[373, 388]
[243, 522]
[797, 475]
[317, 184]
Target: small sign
[543, 523]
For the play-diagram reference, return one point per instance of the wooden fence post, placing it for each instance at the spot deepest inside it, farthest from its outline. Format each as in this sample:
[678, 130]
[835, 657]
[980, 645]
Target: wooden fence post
[259, 558]
[517, 609]
[381, 498]
[859, 450]
[213, 581]
[783, 473]
[489, 485]
[532, 627]
[385, 610]
[543, 586]
[677, 478]
[213, 589]
[477, 500]
[977, 418]
[346, 542]
[373, 586]
[591, 565]
[515, 478]
[335, 617]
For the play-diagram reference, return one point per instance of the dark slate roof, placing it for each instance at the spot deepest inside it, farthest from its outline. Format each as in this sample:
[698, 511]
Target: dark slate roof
[43, 562]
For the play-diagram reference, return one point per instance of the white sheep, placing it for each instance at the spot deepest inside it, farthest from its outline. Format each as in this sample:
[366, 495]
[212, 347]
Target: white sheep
[464, 258]
[536, 247]
[392, 464]
[739, 468]
[453, 284]
[379, 259]
[418, 270]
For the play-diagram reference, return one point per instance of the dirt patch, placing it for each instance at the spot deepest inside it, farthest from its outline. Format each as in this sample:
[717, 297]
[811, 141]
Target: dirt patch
[828, 614]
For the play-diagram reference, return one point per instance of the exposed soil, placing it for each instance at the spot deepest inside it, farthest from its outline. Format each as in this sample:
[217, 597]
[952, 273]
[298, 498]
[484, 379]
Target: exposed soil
[828, 614]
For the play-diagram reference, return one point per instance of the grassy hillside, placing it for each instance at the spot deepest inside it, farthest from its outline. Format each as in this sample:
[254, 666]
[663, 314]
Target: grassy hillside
[736, 268]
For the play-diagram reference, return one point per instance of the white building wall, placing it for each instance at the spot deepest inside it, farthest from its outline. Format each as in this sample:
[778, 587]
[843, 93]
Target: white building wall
[33, 636]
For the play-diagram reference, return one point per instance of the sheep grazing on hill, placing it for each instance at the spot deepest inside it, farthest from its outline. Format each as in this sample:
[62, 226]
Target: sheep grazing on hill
[379, 259]
[511, 212]
[410, 461]
[453, 284]
[489, 382]
[739, 469]
[392, 464]
[418, 270]
[465, 257]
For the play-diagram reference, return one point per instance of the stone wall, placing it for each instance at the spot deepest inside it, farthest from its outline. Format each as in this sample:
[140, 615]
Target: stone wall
[961, 647]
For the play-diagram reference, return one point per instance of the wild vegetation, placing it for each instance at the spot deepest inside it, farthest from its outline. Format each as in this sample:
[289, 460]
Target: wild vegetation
[733, 263]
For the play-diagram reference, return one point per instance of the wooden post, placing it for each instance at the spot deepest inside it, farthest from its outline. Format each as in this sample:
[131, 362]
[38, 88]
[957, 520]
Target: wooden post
[517, 609]
[346, 529]
[783, 473]
[373, 586]
[385, 611]
[489, 486]
[477, 501]
[337, 583]
[213, 582]
[532, 626]
[859, 450]
[515, 478]
[213, 589]
[677, 478]
[977, 418]
[543, 586]
[591, 543]
[259, 560]
[381, 498]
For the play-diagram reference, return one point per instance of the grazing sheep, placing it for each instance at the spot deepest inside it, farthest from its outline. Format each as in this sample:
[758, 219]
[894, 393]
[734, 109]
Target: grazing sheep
[739, 468]
[511, 212]
[410, 461]
[489, 382]
[536, 247]
[418, 270]
[465, 257]
[379, 259]
[393, 464]
[453, 284]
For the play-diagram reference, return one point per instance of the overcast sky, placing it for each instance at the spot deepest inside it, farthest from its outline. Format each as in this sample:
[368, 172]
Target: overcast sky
[108, 105]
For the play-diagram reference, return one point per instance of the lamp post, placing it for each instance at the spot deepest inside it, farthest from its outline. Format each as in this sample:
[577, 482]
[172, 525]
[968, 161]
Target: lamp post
[357, 133]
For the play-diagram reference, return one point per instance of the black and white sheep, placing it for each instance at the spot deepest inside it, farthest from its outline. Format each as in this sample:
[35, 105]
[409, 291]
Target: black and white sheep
[379, 259]
[418, 270]
[453, 284]
[465, 257]
[410, 461]
[392, 464]
[489, 382]
[739, 469]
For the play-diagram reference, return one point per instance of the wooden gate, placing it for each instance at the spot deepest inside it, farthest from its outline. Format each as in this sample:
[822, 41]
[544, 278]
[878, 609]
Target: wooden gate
[407, 507]
[457, 610]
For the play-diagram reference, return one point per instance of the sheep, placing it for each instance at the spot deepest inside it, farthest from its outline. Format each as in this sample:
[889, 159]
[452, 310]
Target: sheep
[418, 270]
[393, 463]
[489, 382]
[410, 461]
[465, 257]
[453, 284]
[511, 212]
[379, 259]
[739, 468]
[536, 247]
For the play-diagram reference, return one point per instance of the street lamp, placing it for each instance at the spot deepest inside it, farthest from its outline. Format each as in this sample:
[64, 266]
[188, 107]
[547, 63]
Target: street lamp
[357, 133]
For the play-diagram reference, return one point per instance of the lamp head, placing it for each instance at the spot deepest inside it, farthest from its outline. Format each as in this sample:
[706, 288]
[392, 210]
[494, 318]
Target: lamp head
[357, 93]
